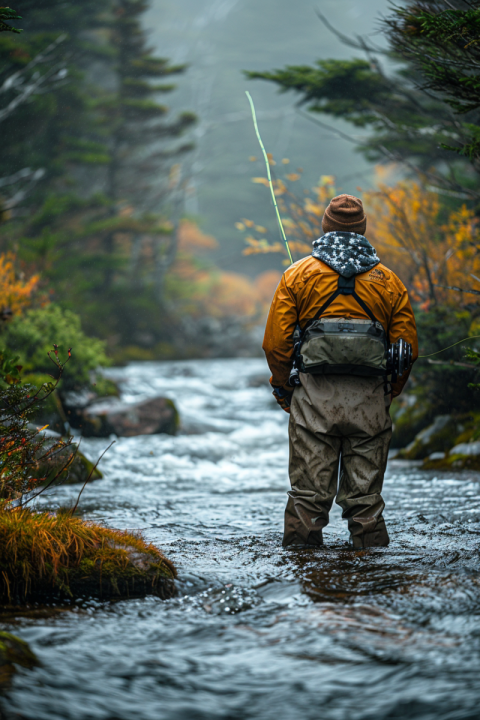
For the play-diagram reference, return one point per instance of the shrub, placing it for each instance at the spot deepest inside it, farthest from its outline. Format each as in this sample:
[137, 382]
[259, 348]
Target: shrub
[24, 450]
[33, 334]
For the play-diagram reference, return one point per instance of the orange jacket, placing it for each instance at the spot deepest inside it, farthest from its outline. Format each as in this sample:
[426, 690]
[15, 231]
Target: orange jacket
[303, 289]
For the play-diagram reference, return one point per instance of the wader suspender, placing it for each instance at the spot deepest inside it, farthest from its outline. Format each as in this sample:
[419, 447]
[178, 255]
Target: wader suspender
[346, 286]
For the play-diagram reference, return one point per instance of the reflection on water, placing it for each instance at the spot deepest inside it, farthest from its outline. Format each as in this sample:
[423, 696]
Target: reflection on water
[257, 631]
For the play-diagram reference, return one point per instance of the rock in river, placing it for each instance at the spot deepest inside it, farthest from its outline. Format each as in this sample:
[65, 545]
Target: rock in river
[148, 417]
[13, 652]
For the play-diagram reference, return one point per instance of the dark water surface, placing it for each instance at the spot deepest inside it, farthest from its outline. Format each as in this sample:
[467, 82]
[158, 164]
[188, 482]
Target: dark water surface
[257, 631]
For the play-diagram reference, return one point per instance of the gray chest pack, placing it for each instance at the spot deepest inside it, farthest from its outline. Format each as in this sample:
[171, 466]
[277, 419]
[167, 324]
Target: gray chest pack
[348, 346]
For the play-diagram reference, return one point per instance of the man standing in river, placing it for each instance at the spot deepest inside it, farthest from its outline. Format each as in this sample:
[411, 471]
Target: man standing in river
[345, 304]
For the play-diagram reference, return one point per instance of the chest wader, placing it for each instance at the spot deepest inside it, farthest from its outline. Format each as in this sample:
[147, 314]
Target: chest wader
[343, 419]
[343, 346]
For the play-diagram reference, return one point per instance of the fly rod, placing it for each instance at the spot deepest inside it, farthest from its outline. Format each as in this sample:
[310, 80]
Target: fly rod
[280, 224]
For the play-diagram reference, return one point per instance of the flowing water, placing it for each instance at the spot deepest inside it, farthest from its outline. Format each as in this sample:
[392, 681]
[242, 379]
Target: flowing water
[257, 631]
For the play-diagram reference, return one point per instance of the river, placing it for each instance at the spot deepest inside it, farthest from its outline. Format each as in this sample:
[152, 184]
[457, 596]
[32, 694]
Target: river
[257, 631]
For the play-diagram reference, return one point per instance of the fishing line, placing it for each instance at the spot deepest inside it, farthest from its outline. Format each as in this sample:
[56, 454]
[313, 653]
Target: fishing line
[473, 337]
[280, 224]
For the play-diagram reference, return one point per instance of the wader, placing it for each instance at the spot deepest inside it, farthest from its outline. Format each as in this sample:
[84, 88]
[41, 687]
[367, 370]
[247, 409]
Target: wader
[338, 420]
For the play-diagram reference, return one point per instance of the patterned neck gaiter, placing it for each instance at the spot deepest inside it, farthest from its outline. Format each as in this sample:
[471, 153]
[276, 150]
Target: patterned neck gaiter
[345, 252]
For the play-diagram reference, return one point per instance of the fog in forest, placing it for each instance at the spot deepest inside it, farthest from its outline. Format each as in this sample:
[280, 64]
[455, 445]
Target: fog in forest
[219, 39]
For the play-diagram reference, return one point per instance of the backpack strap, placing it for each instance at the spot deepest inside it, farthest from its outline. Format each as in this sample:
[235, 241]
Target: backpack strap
[346, 286]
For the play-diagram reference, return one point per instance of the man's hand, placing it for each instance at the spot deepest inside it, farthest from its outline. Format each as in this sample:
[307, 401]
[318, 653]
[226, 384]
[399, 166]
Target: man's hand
[283, 398]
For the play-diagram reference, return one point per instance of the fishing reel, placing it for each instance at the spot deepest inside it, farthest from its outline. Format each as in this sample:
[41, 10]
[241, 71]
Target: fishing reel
[399, 359]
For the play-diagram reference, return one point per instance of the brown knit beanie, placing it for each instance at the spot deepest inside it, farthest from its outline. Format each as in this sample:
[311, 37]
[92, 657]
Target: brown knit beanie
[345, 212]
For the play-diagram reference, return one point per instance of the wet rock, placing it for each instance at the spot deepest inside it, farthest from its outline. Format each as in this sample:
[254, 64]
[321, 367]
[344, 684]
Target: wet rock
[464, 456]
[472, 448]
[149, 417]
[13, 652]
[410, 416]
[81, 469]
[77, 472]
[437, 437]
[437, 456]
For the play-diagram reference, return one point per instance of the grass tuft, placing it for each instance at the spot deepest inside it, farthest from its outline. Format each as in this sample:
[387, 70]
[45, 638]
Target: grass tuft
[45, 556]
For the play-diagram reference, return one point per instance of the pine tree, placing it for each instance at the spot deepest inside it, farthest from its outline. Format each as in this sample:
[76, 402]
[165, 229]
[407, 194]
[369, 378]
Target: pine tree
[6, 16]
[100, 223]
[46, 116]
[421, 112]
[139, 139]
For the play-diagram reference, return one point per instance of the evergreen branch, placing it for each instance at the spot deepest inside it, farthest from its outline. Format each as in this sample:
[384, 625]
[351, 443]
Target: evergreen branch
[6, 14]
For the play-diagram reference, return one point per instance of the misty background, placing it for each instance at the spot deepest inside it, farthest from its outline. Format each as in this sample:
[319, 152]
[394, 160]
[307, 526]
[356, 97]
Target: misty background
[221, 38]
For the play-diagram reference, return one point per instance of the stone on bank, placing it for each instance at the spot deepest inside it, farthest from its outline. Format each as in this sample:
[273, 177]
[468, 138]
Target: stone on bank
[448, 443]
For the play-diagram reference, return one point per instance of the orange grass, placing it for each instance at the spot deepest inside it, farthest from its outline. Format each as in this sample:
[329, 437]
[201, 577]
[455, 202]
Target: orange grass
[44, 555]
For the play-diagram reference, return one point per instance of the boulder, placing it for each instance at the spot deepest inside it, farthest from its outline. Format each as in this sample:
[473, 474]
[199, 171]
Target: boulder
[80, 469]
[13, 652]
[437, 437]
[410, 415]
[148, 417]
[78, 472]
[464, 456]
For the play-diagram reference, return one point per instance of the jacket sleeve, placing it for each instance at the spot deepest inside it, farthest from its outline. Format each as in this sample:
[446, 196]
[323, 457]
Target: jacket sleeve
[402, 325]
[278, 343]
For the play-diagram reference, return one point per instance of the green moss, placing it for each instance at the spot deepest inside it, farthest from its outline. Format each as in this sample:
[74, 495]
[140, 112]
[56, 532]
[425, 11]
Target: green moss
[453, 462]
[458, 429]
[438, 440]
[49, 557]
[14, 651]
[77, 472]
[80, 470]
[175, 423]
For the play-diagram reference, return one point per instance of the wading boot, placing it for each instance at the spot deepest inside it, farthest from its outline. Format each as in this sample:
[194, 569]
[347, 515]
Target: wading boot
[376, 538]
[313, 540]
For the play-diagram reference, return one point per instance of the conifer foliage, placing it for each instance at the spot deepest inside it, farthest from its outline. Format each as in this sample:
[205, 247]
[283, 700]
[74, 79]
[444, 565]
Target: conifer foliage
[418, 114]
[6, 15]
[93, 185]
[138, 125]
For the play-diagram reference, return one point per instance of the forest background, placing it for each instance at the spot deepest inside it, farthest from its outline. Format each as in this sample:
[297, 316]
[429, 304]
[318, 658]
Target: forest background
[103, 244]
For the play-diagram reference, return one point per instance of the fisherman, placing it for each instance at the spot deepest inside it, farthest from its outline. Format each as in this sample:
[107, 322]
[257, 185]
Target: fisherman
[346, 307]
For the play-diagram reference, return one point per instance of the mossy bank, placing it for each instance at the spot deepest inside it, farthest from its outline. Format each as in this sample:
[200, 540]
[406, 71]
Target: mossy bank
[45, 558]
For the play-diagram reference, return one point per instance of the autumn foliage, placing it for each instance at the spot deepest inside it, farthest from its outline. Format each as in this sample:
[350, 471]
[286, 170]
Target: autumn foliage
[15, 292]
[431, 249]
[301, 215]
[202, 289]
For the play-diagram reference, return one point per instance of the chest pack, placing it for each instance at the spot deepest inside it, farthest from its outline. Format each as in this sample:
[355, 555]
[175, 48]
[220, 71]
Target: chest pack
[348, 346]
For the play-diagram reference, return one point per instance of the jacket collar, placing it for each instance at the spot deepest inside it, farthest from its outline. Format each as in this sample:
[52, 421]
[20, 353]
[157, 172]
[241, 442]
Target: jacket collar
[345, 252]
